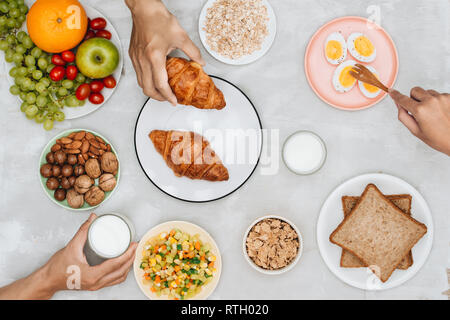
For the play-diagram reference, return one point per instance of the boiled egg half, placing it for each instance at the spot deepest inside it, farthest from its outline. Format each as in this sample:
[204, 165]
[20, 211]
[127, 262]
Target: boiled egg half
[361, 48]
[343, 81]
[335, 48]
[368, 90]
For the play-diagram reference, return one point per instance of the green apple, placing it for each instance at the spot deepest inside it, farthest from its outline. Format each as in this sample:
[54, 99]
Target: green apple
[97, 58]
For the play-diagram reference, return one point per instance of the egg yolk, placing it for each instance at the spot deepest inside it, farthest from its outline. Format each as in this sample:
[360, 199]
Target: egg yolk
[345, 78]
[333, 49]
[364, 46]
[370, 88]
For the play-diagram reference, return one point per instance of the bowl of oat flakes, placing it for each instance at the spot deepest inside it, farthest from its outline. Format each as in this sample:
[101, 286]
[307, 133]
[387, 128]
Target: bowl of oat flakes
[272, 245]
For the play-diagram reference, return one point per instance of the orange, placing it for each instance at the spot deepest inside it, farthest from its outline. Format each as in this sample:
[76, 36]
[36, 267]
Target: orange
[57, 25]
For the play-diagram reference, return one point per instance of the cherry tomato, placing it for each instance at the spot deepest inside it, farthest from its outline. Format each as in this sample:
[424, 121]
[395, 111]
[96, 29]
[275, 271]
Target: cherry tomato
[96, 86]
[57, 73]
[57, 60]
[98, 24]
[96, 98]
[68, 56]
[109, 82]
[90, 34]
[83, 92]
[103, 34]
[71, 72]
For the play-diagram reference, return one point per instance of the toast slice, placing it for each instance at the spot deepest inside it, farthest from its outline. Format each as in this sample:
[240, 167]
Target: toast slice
[403, 202]
[378, 233]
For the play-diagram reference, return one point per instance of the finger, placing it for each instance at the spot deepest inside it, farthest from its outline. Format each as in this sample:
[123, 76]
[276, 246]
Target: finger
[147, 81]
[408, 121]
[114, 276]
[138, 70]
[404, 101]
[160, 78]
[116, 282]
[81, 236]
[192, 51]
[114, 264]
[133, 56]
[433, 93]
[419, 94]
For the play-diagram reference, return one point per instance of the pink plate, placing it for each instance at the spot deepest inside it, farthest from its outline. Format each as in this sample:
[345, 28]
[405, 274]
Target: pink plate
[319, 71]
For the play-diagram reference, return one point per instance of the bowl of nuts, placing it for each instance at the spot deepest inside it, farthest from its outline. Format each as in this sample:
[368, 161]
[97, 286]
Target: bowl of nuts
[79, 169]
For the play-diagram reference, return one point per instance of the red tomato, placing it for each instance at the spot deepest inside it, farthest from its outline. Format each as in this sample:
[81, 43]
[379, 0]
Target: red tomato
[96, 98]
[96, 86]
[68, 56]
[109, 82]
[103, 34]
[90, 34]
[57, 73]
[83, 92]
[71, 72]
[98, 24]
[57, 60]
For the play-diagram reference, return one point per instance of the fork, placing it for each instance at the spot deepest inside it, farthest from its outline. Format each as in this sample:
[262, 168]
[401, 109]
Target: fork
[361, 73]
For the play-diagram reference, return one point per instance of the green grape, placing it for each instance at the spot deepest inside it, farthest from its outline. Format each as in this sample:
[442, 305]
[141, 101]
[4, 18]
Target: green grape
[22, 71]
[60, 116]
[80, 78]
[50, 67]
[40, 87]
[39, 117]
[68, 84]
[45, 81]
[48, 124]
[20, 49]
[21, 19]
[19, 79]
[23, 95]
[42, 64]
[14, 12]
[23, 106]
[31, 69]
[9, 55]
[36, 52]
[17, 58]
[71, 101]
[4, 45]
[30, 61]
[11, 39]
[41, 101]
[13, 72]
[31, 98]
[12, 5]
[20, 35]
[31, 110]
[81, 103]
[3, 20]
[27, 42]
[14, 90]
[20, 2]
[11, 23]
[4, 7]
[62, 92]
[18, 24]
[37, 74]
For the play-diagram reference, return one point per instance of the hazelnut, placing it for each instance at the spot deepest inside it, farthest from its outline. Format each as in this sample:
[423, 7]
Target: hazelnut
[60, 194]
[52, 183]
[72, 159]
[78, 170]
[83, 183]
[107, 182]
[67, 170]
[60, 157]
[92, 168]
[50, 158]
[65, 183]
[94, 196]
[46, 170]
[72, 180]
[109, 162]
[74, 199]
[56, 170]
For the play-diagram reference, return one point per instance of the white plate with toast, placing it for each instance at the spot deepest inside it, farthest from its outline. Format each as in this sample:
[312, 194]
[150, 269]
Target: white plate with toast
[331, 216]
[234, 133]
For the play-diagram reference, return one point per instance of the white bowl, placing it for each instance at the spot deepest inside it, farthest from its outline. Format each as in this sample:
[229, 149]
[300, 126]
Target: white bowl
[282, 270]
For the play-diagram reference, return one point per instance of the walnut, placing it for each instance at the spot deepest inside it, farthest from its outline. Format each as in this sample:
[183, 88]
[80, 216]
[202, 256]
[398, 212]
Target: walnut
[107, 182]
[92, 168]
[94, 196]
[83, 183]
[74, 199]
[109, 163]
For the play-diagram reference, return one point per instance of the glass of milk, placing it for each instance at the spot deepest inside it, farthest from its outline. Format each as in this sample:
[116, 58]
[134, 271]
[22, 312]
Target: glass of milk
[109, 236]
[304, 152]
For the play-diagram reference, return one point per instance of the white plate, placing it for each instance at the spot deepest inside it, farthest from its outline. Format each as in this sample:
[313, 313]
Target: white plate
[239, 153]
[331, 216]
[78, 112]
[187, 227]
[267, 43]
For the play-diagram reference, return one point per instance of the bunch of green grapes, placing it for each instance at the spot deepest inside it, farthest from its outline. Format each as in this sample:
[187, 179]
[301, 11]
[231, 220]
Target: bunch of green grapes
[13, 13]
[42, 98]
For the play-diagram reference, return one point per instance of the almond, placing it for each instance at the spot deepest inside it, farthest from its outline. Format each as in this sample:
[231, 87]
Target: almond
[71, 135]
[103, 146]
[80, 135]
[100, 140]
[85, 156]
[92, 155]
[94, 143]
[94, 150]
[89, 136]
[85, 146]
[66, 140]
[81, 159]
[55, 147]
[108, 148]
[74, 145]
[72, 151]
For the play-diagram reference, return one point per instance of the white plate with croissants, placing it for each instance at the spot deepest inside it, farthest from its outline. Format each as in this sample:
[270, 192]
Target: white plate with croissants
[207, 146]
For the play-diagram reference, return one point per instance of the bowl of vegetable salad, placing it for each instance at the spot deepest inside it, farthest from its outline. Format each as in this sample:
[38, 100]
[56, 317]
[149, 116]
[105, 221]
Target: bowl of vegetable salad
[177, 260]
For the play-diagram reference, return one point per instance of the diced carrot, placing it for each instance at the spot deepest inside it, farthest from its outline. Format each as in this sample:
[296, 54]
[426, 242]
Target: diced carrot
[188, 285]
[156, 249]
[191, 254]
[211, 264]
[172, 232]
[177, 268]
[177, 281]
[197, 245]
[152, 289]
[202, 258]
[157, 279]
[163, 247]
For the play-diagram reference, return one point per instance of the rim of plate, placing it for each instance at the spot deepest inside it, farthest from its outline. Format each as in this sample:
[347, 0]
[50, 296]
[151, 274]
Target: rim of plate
[430, 232]
[256, 55]
[282, 270]
[175, 224]
[305, 64]
[42, 156]
[221, 197]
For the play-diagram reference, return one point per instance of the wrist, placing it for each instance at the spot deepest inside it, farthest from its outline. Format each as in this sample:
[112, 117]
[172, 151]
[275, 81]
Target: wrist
[43, 284]
[133, 4]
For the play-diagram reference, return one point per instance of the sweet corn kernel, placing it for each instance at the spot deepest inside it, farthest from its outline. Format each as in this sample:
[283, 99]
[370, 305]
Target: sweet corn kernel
[212, 258]
[162, 235]
[152, 262]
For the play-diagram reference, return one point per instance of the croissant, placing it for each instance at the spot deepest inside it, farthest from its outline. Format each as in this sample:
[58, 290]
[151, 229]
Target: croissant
[192, 86]
[189, 154]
